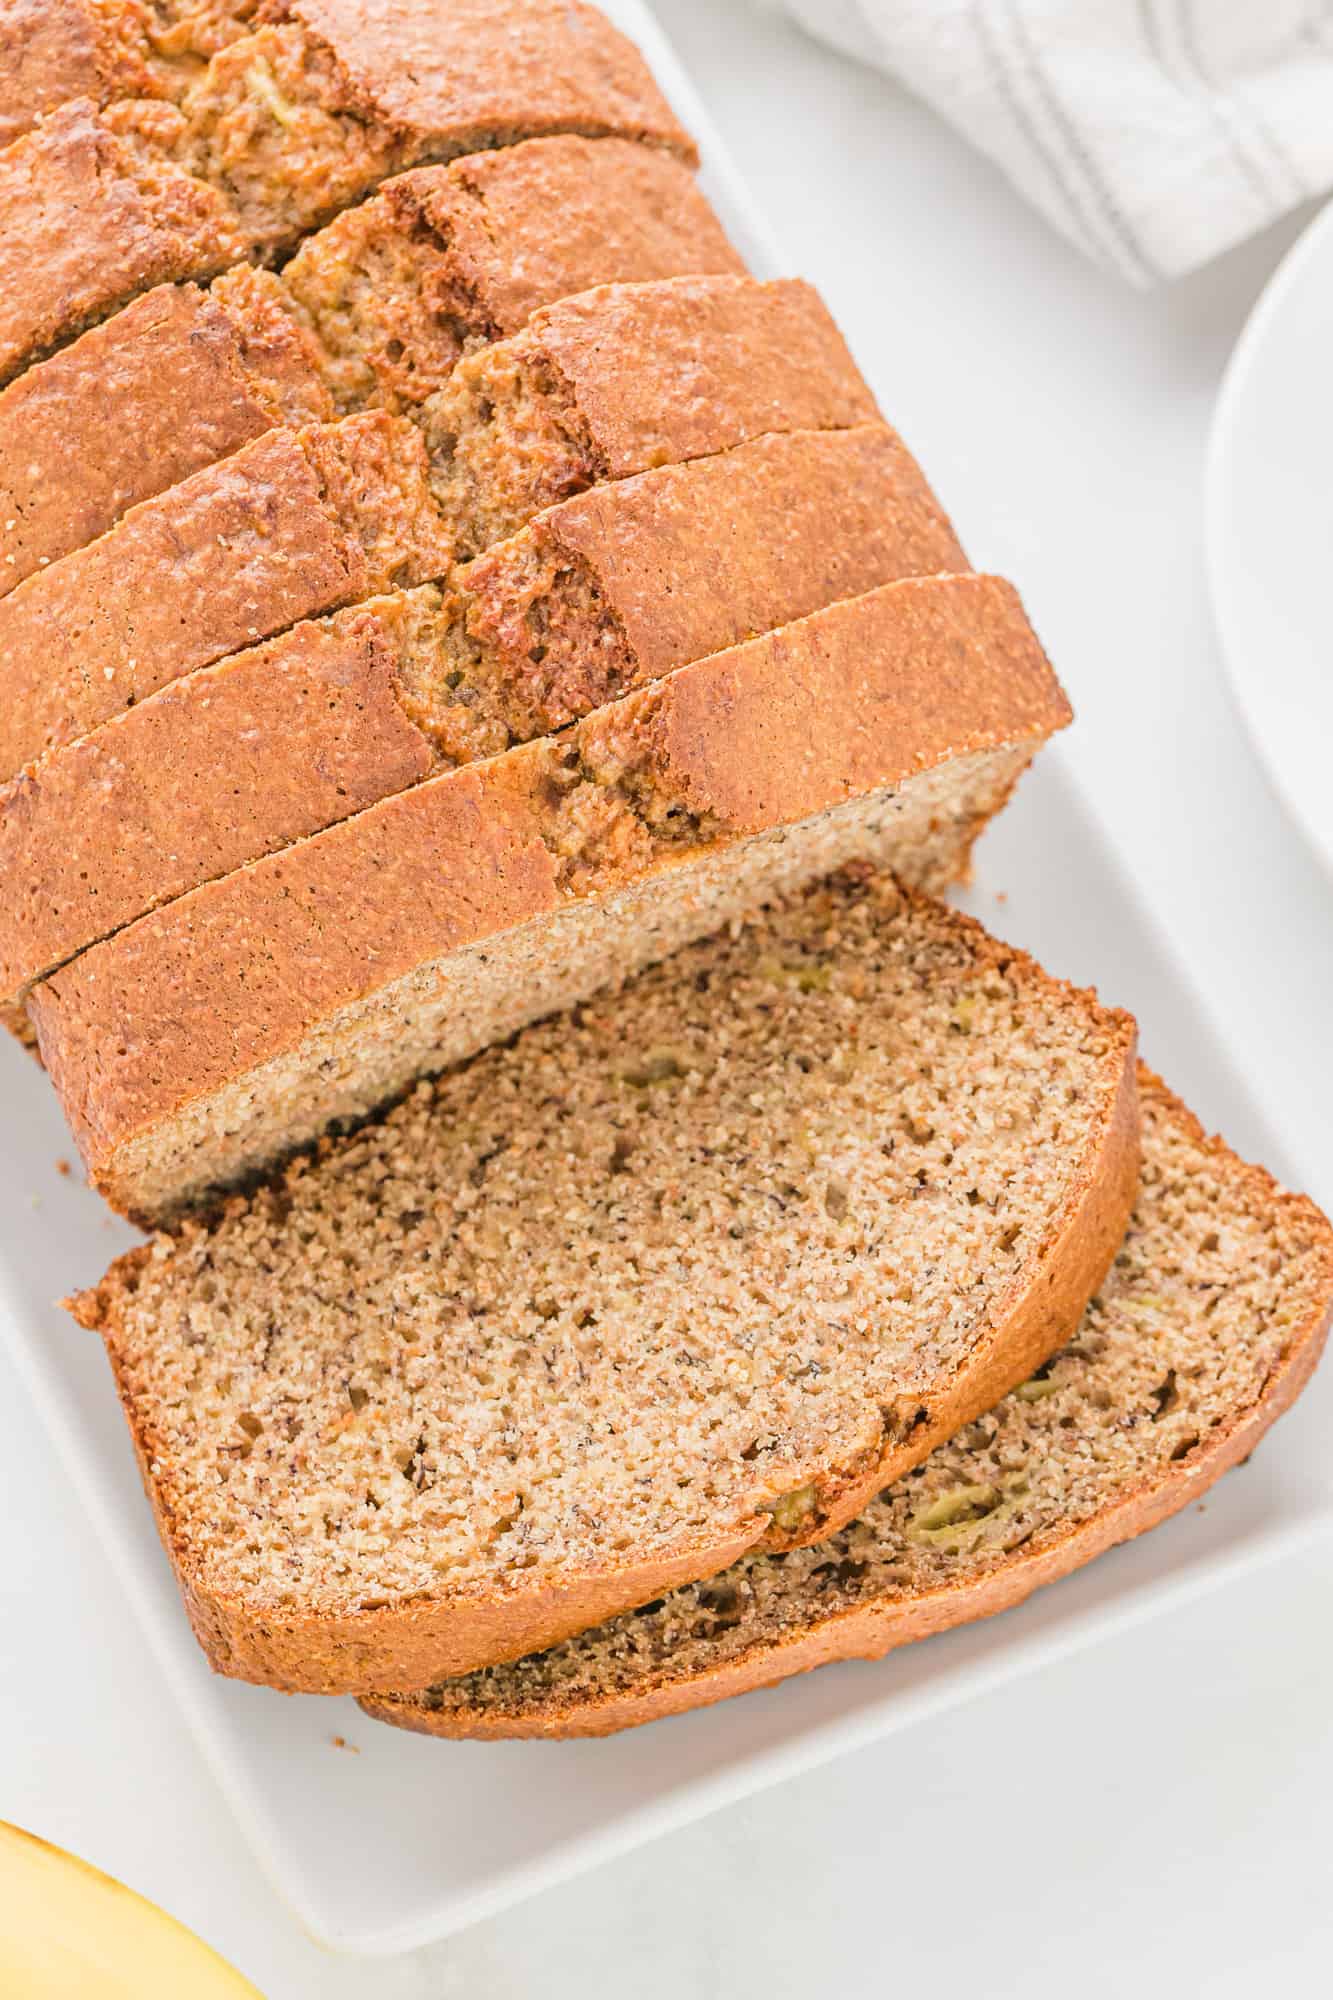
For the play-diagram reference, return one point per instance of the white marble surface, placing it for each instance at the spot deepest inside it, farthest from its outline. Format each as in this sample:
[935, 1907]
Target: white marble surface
[1157, 1817]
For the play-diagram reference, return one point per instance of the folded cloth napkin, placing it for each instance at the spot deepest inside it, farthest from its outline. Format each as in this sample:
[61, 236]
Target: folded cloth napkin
[1155, 133]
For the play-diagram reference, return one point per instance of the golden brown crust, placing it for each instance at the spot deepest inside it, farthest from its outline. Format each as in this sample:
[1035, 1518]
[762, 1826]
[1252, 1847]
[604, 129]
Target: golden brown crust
[411, 1645]
[54, 50]
[872, 1629]
[181, 377]
[210, 772]
[850, 701]
[93, 208]
[443, 258]
[749, 743]
[239, 759]
[84, 227]
[50, 50]
[727, 360]
[707, 554]
[424, 69]
[130, 408]
[238, 551]
[549, 218]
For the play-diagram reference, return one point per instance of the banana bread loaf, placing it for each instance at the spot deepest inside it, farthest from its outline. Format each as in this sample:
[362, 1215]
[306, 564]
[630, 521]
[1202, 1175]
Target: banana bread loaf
[213, 1036]
[285, 127]
[1208, 1326]
[626, 377]
[594, 1315]
[445, 259]
[372, 312]
[52, 50]
[606, 384]
[292, 524]
[596, 596]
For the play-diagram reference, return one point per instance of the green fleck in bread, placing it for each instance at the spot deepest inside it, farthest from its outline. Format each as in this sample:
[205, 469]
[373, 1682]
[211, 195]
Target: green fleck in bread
[692, 1271]
[1207, 1327]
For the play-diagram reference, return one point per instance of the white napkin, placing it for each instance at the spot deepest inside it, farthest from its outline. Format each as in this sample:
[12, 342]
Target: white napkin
[1155, 133]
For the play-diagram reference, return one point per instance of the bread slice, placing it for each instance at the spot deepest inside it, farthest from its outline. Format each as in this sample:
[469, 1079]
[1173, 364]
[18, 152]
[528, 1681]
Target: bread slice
[372, 312]
[88, 218]
[177, 379]
[285, 127]
[692, 1271]
[296, 523]
[292, 524]
[596, 596]
[625, 377]
[52, 50]
[211, 1037]
[1207, 1327]
[446, 259]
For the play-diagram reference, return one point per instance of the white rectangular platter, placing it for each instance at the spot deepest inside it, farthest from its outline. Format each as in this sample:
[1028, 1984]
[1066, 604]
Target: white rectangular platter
[411, 1840]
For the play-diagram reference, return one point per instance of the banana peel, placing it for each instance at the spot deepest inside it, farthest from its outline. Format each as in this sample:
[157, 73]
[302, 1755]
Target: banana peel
[67, 1932]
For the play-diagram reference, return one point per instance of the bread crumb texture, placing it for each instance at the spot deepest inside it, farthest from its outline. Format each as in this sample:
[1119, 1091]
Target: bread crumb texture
[297, 522]
[612, 589]
[665, 1270]
[298, 118]
[52, 50]
[373, 312]
[1220, 1278]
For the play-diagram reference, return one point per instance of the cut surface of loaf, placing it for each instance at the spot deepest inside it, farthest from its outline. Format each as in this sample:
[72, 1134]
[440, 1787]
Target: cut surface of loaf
[283, 128]
[1207, 1326]
[52, 50]
[214, 1035]
[692, 1270]
[597, 596]
[294, 523]
[373, 311]
[299, 522]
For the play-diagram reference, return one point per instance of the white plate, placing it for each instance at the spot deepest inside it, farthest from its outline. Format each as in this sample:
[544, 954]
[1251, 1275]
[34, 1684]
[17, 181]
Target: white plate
[409, 1840]
[1270, 529]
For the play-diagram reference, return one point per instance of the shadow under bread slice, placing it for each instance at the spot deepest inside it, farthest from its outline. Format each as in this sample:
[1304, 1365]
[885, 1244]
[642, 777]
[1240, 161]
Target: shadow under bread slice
[52, 50]
[299, 522]
[597, 596]
[372, 312]
[691, 1271]
[285, 127]
[1207, 1327]
[216, 1034]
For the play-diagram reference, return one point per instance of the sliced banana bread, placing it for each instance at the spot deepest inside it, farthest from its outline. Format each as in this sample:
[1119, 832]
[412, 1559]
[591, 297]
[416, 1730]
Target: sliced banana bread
[52, 50]
[88, 218]
[373, 311]
[296, 523]
[177, 379]
[292, 524]
[445, 259]
[598, 595]
[626, 377]
[1206, 1329]
[212, 1036]
[285, 127]
[691, 1271]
